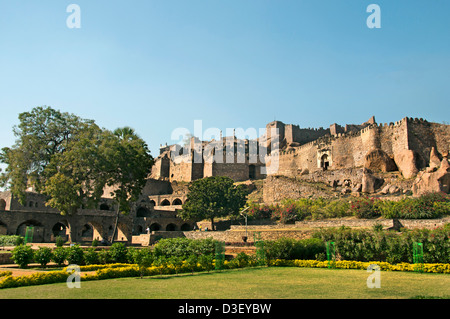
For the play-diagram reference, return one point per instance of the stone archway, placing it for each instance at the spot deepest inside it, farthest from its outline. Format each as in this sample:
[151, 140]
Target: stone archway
[171, 227]
[155, 227]
[38, 230]
[186, 227]
[251, 171]
[177, 201]
[142, 212]
[59, 229]
[324, 162]
[87, 232]
[165, 202]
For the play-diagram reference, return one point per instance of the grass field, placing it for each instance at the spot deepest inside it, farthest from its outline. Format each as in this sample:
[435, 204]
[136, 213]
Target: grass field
[250, 283]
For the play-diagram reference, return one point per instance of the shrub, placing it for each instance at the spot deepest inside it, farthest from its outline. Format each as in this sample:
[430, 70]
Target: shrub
[242, 260]
[59, 255]
[288, 248]
[118, 253]
[91, 256]
[143, 258]
[431, 205]
[75, 255]
[177, 263]
[185, 247]
[11, 240]
[257, 211]
[365, 207]
[366, 245]
[59, 241]
[22, 255]
[43, 256]
[104, 257]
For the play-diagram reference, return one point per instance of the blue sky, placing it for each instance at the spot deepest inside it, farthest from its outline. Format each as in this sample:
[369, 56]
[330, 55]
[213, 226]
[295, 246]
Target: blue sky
[160, 65]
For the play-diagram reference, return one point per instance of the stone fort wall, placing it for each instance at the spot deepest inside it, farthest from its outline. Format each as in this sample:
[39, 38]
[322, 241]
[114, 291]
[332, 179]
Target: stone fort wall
[348, 150]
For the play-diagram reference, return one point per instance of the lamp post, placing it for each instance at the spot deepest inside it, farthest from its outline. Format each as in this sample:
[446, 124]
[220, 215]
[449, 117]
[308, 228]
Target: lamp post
[245, 216]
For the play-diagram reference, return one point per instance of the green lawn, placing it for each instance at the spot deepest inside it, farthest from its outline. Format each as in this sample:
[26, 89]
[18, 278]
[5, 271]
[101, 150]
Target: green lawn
[251, 283]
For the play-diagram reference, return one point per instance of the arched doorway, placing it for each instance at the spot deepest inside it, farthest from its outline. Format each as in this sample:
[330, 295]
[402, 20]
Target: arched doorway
[171, 227]
[59, 229]
[177, 201]
[142, 212]
[139, 230]
[155, 227]
[185, 227]
[165, 202]
[252, 172]
[324, 162]
[38, 230]
[87, 232]
[104, 206]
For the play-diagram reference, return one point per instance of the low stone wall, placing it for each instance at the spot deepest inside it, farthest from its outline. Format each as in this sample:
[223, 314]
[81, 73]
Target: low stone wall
[5, 259]
[299, 230]
[143, 240]
[233, 236]
[367, 223]
[361, 223]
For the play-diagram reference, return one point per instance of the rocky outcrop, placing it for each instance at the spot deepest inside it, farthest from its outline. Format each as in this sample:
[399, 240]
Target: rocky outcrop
[379, 160]
[433, 180]
[370, 183]
[406, 162]
[435, 160]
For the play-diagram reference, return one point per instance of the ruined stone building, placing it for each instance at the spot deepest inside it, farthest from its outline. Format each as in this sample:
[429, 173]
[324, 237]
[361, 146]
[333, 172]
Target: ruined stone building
[406, 146]
[410, 155]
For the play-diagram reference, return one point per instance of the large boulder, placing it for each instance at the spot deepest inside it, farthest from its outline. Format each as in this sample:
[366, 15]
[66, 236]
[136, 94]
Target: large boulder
[370, 183]
[433, 181]
[379, 160]
[435, 160]
[406, 162]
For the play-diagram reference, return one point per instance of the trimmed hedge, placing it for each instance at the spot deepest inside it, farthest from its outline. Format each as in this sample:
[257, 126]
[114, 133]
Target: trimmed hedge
[347, 264]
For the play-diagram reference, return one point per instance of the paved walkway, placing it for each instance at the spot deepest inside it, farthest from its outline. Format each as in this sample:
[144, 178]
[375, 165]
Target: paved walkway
[16, 271]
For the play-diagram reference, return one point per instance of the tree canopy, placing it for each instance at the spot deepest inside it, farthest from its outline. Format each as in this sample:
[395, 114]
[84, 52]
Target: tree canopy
[213, 197]
[71, 160]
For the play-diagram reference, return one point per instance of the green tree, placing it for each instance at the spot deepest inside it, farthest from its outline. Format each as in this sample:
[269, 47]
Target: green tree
[77, 176]
[127, 165]
[71, 160]
[40, 135]
[213, 197]
[57, 154]
[144, 257]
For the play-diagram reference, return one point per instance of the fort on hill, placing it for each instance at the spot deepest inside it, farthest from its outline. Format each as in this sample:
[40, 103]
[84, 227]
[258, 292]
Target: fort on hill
[336, 155]
[407, 157]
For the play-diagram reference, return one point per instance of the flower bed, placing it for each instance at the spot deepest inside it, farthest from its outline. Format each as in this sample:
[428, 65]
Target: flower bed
[133, 270]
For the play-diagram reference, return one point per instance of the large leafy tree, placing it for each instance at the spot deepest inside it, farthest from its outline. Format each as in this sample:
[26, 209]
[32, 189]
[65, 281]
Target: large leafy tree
[41, 135]
[128, 164]
[213, 197]
[71, 160]
[76, 177]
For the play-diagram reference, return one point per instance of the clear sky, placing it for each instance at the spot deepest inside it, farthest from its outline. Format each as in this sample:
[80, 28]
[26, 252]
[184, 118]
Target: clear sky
[160, 65]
